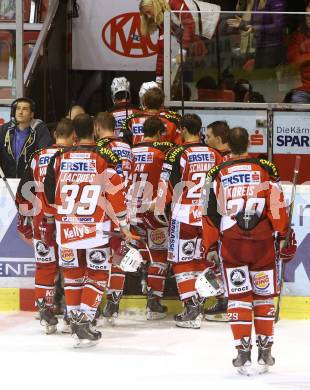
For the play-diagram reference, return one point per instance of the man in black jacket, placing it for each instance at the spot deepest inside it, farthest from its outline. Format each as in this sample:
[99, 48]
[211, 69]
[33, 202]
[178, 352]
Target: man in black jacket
[20, 137]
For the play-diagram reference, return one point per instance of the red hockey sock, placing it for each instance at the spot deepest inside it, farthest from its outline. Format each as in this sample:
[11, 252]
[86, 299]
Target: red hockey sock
[240, 318]
[156, 277]
[117, 281]
[186, 275]
[264, 313]
[94, 287]
[73, 285]
[45, 282]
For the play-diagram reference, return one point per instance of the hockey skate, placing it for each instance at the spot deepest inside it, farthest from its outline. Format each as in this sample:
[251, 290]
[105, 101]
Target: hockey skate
[243, 360]
[111, 309]
[83, 332]
[192, 314]
[66, 326]
[154, 309]
[217, 312]
[265, 359]
[47, 317]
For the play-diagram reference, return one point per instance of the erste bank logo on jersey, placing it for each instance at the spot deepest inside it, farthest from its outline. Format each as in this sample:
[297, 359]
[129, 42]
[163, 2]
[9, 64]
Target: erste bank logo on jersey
[68, 165]
[122, 35]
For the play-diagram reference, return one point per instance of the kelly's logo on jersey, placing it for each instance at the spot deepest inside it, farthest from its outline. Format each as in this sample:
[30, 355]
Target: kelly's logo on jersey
[241, 178]
[68, 165]
[77, 232]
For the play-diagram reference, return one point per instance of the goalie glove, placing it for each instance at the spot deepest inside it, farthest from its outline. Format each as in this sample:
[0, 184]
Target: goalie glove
[287, 252]
[208, 284]
[24, 227]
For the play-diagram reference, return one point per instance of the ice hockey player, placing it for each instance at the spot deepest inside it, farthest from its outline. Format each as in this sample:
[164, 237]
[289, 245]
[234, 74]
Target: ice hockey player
[182, 179]
[216, 137]
[149, 156]
[121, 97]
[253, 210]
[29, 201]
[104, 126]
[153, 100]
[84, 186]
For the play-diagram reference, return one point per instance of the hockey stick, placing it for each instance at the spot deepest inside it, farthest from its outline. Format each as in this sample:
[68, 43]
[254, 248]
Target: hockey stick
[290, 216]
[2, 175]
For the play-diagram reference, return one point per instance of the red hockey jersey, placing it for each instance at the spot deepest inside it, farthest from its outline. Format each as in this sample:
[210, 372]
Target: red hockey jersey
[247, 189]
[133, 127]
[121, 112]
[87, 190]
[182, 179]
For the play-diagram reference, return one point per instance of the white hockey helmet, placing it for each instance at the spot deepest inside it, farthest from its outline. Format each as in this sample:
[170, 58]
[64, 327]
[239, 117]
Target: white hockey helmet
[120, 84]
[146, 87]
[208, 284]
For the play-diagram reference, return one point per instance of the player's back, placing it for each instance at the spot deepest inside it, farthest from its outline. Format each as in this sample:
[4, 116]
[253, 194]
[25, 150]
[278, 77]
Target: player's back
[147, 165]
[133, 132]
[122, 150]
[121, 112]
[186, 167]
[244, 190]
[78, 182]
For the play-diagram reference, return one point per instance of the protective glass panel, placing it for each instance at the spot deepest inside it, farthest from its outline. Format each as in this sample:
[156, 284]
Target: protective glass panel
[7, 10]
[239, 57]
[7, 64]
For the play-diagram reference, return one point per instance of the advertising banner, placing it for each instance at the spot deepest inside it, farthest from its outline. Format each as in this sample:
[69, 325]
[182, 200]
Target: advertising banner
[17, 266]
[108, 37]
[4, 115]
[254, 121]
[291, 133]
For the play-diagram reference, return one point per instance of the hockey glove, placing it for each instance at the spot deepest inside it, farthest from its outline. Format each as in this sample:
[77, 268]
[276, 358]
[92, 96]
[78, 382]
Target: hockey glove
[47, 230]
[24, 227]
[212, 255]
[287, 252]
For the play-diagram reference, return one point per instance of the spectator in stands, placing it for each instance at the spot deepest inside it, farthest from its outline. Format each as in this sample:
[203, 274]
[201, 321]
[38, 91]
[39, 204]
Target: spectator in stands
[21, 137]
[152, 19]
[206, 82]
[176, 92]
[75, 111]
[299, 55]
[268, 30]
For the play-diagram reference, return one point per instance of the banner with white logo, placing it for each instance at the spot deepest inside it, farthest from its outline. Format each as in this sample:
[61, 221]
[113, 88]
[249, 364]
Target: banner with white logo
[291, 133]
[254, 121]
[107, 36]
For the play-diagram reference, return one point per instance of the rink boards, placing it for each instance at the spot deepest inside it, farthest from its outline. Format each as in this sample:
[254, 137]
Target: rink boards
[17, 264]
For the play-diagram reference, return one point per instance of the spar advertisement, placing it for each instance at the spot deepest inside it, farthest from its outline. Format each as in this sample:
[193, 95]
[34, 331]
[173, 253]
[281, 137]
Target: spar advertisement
[17, 265]
[107, 36]
[254, 121]
[291, 137]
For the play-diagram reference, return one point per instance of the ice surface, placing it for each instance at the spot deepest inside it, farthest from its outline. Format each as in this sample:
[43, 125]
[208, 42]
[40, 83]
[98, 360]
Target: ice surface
[139, 354]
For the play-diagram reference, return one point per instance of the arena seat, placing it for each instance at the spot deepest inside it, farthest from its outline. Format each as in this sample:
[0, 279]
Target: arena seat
[216, 95]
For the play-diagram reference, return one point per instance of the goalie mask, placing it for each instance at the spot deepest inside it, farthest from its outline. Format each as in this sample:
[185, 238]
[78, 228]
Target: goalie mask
[208, 284]
[144, 88]
[120, 84]
[127, 257]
